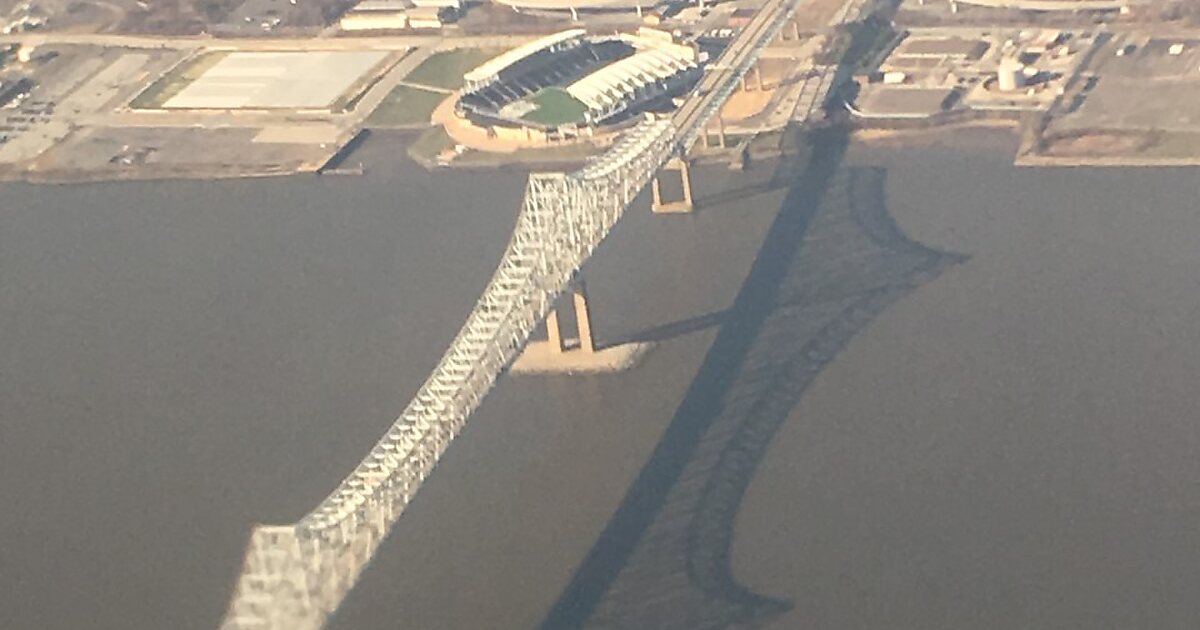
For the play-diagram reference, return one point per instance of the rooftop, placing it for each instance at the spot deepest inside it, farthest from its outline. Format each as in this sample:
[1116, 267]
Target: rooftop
[941, 47]
[380, 5]
[567, 5]
[903, 102]
[269, 80]
[497, 64]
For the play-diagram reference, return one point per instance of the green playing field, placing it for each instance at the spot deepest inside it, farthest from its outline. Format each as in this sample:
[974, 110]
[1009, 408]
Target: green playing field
[555, 107]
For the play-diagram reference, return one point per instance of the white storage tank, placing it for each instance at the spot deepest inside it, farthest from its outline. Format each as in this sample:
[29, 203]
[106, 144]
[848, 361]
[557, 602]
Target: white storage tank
[1011, 76]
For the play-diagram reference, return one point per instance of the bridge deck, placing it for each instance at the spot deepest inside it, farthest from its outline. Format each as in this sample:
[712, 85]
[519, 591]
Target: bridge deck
[296, 575]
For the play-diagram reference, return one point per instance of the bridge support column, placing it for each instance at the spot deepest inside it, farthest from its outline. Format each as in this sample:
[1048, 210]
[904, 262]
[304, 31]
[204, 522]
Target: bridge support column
[658, 205]
[560, 354]
[583, 318]
[584, 342]
[757, 84]
[554, 338]
[705, 139]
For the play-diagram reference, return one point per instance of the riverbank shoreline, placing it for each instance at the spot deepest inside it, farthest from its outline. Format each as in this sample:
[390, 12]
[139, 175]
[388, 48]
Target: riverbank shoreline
[1001, 133]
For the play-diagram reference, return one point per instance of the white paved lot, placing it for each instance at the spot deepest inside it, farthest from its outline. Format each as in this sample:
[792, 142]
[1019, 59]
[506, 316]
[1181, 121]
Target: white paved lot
[267, 80]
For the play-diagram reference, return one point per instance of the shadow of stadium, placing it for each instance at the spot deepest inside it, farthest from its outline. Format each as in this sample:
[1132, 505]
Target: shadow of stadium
[831, 262]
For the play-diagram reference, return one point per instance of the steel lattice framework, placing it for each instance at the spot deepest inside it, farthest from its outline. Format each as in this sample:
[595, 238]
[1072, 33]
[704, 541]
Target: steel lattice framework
[296, 575]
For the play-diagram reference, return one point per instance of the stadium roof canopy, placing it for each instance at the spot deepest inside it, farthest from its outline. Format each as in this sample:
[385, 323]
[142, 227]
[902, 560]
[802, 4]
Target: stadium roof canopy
[608, 86]
[497, 64]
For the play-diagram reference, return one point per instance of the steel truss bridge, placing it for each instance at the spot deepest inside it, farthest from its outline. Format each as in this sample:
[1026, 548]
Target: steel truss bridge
[296, 575]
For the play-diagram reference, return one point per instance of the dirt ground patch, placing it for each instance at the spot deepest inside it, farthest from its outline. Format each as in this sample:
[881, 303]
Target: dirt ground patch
[742, 105]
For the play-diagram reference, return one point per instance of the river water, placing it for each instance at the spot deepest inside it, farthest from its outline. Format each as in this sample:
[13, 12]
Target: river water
[892, 388]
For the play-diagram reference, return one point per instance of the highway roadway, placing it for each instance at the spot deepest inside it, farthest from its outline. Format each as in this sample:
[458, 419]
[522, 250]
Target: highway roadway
[735, 60]
[714, 87]
[804, 90]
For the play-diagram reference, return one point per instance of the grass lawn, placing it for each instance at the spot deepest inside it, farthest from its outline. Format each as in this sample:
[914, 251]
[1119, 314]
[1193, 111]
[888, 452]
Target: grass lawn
[404, 106]
[555, 107]
[446, 69]
[431, 143]
[173, 82]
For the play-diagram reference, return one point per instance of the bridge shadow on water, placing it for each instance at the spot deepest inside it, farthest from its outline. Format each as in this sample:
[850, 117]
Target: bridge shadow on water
[832, 260]
[663, 332]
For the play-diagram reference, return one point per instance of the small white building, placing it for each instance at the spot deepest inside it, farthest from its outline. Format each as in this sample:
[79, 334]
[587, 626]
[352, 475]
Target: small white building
[370, 6]
[376, 15]
[428, 17]
[1011, 75]
[453, 5]
[374, 21]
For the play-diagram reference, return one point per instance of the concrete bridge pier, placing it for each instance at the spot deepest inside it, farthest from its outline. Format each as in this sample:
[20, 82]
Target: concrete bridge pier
[684, 205]
[583, 341]
[757, 83]
[741, 156]
[566, 354]
[705, 137]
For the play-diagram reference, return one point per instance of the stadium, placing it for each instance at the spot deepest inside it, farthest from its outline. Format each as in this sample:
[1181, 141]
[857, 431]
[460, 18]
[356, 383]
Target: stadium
[569, 83]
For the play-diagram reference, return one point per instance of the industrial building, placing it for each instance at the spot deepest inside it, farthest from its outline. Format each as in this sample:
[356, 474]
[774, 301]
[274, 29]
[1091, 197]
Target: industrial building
[940, 49]
[575, 7]
[429, 17]
[904, 102]
[392, 15]
[569, 79]
[985, 73]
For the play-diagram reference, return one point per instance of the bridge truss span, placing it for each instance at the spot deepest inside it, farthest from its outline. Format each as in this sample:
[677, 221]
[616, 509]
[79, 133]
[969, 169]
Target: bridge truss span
[295, 575]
